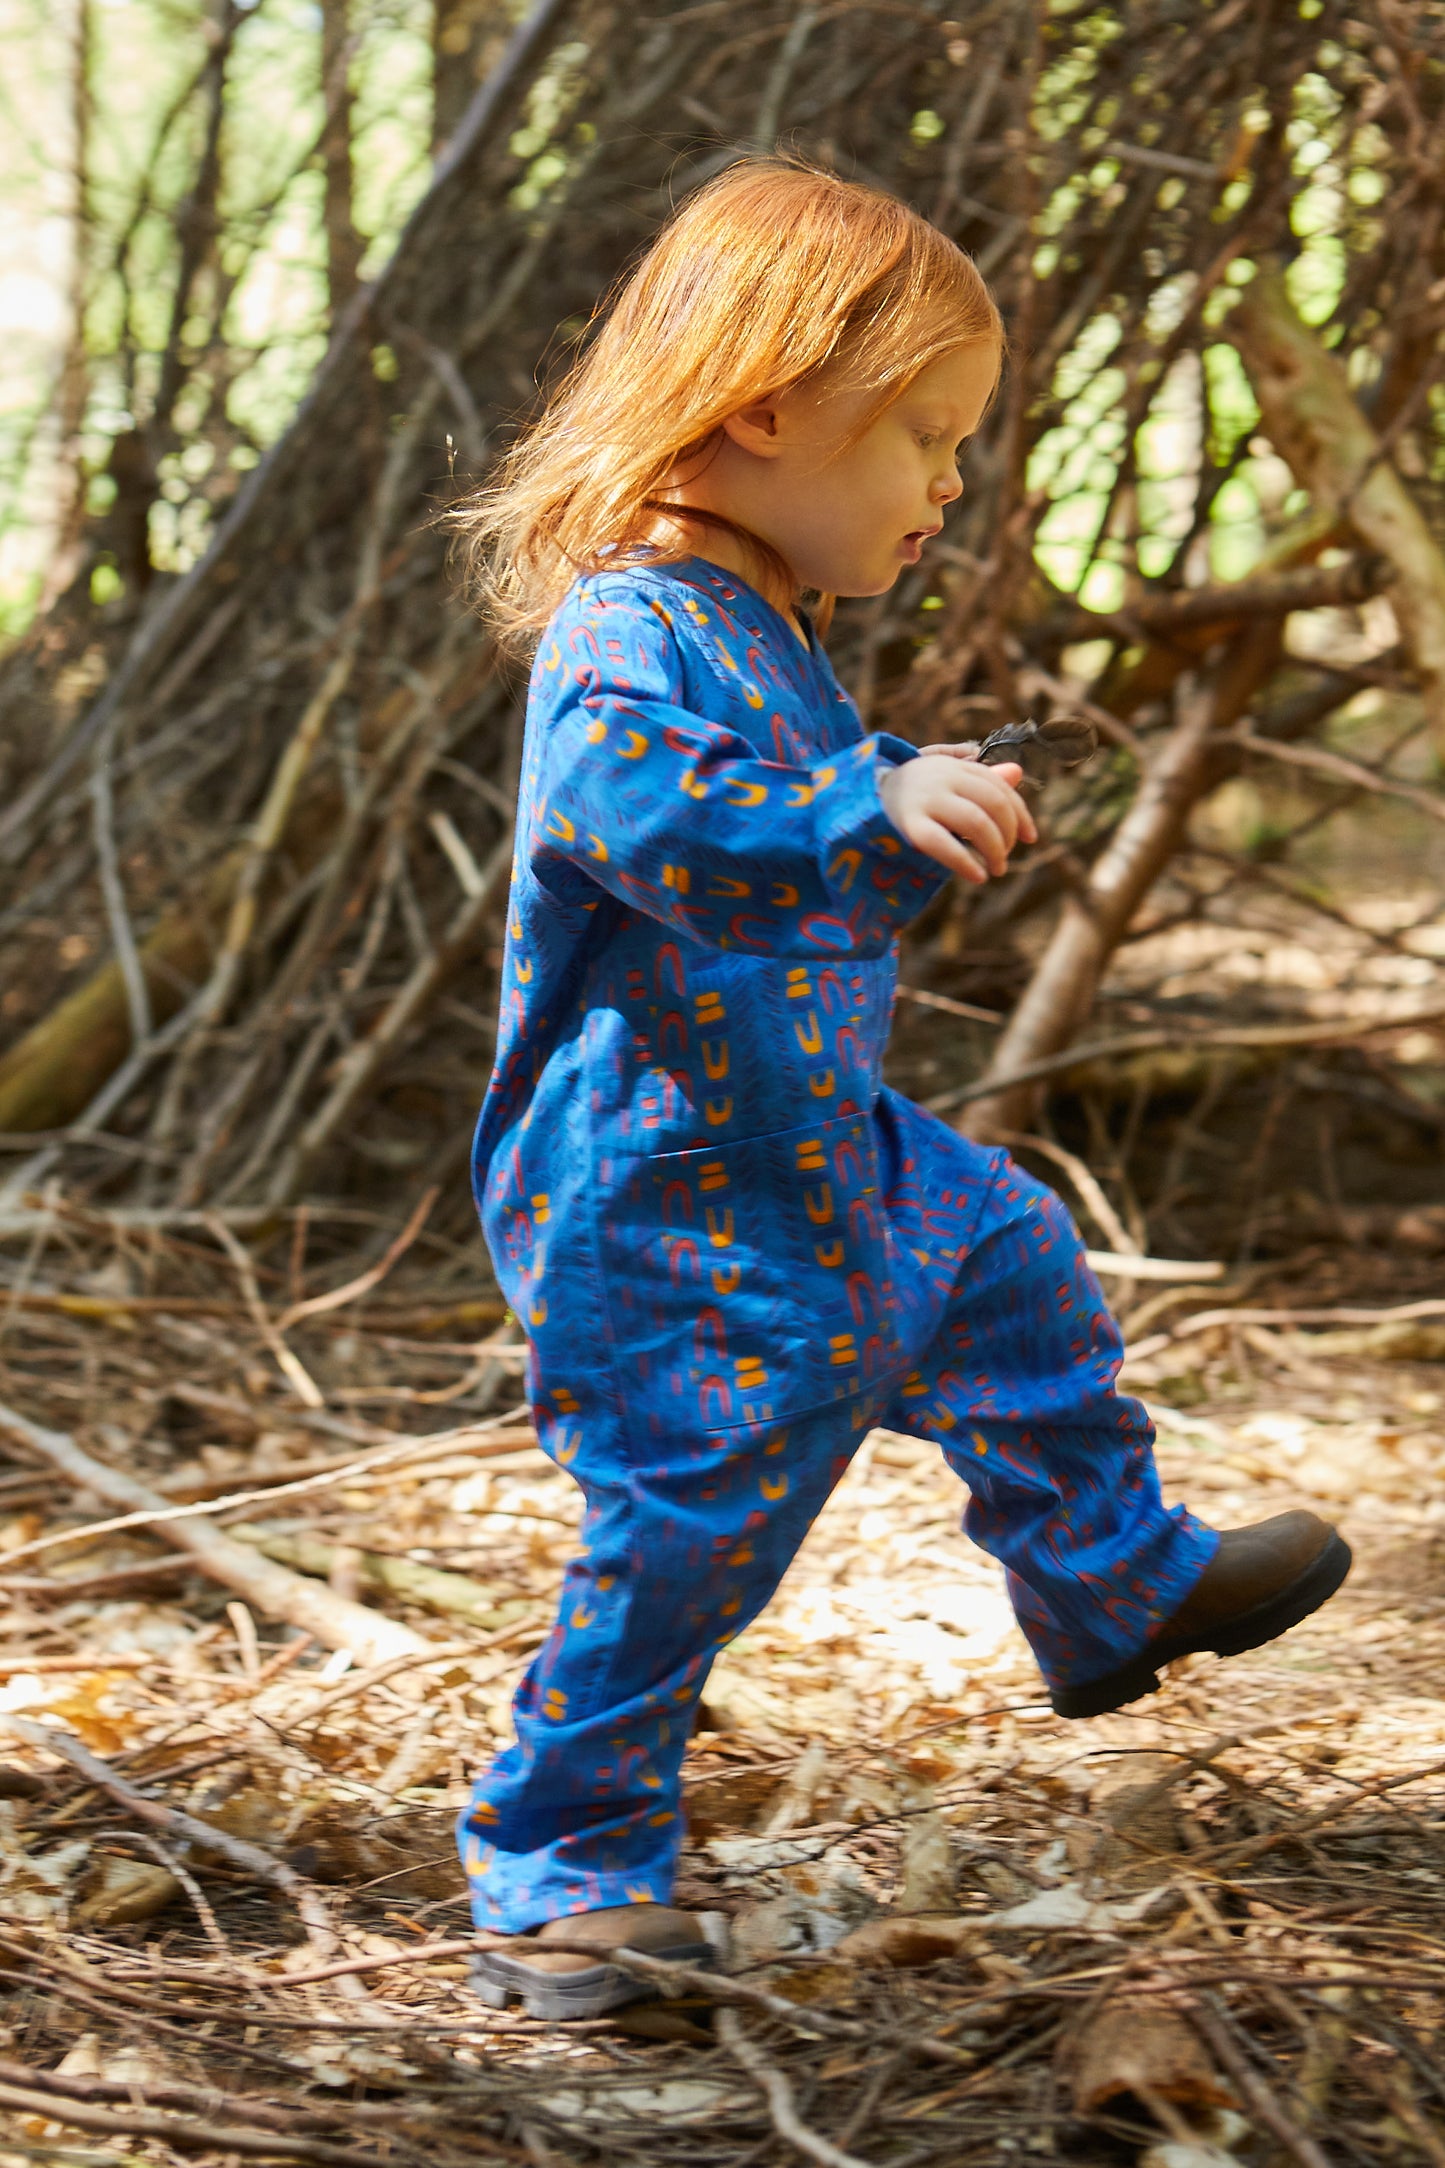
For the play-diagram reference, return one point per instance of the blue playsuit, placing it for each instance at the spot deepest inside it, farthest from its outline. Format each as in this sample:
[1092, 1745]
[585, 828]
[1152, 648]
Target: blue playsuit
[732, 1248]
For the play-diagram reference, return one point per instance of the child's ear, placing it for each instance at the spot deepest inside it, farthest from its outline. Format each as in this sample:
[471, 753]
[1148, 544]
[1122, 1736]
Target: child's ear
[756, 428]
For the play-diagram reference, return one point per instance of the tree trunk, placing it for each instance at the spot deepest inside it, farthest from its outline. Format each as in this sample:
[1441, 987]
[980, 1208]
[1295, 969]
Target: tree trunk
[1313, 420]
[74, 388]
[343, 242]
[196, 218]
[1061, 992]
[464, 35]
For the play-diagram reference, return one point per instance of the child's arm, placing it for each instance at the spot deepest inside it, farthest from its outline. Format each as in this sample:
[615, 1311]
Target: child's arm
[679, 817]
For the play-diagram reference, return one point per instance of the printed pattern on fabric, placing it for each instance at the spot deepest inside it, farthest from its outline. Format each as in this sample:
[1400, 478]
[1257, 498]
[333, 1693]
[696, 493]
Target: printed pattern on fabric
[731, 1248]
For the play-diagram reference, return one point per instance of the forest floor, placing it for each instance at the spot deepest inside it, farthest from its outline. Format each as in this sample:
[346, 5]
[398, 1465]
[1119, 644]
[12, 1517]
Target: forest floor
[1211, 1928]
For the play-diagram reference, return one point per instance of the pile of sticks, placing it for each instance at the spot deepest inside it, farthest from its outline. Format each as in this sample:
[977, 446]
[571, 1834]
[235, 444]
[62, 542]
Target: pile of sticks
[275, 844]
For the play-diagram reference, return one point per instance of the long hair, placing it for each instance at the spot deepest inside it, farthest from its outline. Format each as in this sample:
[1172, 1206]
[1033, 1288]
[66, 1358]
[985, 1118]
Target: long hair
[772, 274]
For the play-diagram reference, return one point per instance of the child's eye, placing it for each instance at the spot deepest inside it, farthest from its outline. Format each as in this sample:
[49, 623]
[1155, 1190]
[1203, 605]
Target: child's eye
[927, 438]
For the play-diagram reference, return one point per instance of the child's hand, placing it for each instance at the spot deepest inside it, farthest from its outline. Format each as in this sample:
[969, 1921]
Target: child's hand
[955, 810]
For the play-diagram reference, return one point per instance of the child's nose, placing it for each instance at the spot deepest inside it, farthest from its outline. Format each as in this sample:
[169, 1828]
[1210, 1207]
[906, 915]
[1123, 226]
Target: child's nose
[947, 487]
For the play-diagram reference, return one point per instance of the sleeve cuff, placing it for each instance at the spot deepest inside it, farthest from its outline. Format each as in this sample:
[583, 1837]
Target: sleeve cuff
[898, 880]
[894, 750]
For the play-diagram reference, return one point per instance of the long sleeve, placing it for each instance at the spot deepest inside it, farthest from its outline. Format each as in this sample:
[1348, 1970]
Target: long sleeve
[680, 817]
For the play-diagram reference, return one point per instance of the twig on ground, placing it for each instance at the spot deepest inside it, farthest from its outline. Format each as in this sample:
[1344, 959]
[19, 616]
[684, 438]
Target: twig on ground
[1247, 1038]
[1405, 1313]
[1232, 1855]
[1257, 2095]
[185, 2136]
[288, 1362]
[361, 1682]
[46, 1666]
[679, 1979]
[310, 1906]
[778, 2093]
[405, 1453]
[317, 1305]
[1114, 1264]
[272, 1589]
[164, 1857]
[424, 1954]
[125, 1581]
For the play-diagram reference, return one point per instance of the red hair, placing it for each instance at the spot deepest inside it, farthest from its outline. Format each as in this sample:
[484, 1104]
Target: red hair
[771, 274]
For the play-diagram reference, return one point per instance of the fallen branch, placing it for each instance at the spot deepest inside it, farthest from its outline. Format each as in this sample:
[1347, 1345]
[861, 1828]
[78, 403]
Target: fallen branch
[187, 1828]
[1060, 993]
[1257, 2095]
[267, 1587]
[317, 1305]
[185, 2136]
[1248, 1038]
[1408, 1313]
[405, 1453]
[778, 2093]
[451, 1594]
[1340, 770]
[1125, 1265]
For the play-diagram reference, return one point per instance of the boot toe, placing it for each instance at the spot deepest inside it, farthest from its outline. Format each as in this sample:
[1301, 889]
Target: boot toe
[1252, 1567]
[1261, 1581]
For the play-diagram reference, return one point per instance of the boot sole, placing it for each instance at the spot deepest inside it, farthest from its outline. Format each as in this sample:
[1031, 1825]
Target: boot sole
[1250, 1630]
[560, 1996]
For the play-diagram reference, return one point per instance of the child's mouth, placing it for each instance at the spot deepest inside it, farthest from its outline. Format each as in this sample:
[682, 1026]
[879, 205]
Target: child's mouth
[913, 542]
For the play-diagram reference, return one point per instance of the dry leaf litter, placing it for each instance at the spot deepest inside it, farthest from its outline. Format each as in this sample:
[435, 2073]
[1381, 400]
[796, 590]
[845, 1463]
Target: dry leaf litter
[1207, 1929]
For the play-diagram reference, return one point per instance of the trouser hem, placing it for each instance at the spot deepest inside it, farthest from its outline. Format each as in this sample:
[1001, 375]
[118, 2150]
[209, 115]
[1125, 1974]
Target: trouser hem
[495, 1913]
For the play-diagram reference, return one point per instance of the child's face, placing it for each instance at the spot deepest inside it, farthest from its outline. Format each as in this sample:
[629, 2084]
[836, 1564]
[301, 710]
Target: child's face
[849, 517]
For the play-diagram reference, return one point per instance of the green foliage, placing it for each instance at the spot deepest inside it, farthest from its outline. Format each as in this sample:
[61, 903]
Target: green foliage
[256, 319]
[1148, 410]
[1118, 420]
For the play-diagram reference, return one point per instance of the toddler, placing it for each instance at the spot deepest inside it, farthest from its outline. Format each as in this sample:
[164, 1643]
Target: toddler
[732, 1249]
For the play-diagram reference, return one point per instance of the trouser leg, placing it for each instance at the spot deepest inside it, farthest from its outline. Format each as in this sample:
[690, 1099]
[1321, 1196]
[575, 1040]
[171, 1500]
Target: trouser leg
[679, 1553]
[1018, 1388]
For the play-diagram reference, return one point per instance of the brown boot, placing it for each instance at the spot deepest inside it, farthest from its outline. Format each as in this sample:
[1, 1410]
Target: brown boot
[1261, 1581]
[561, 1984]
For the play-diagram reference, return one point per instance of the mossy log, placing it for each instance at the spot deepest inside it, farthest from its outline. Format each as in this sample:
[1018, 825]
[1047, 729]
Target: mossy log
[450, 1594]
[49, 1077]
[51, 1074]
